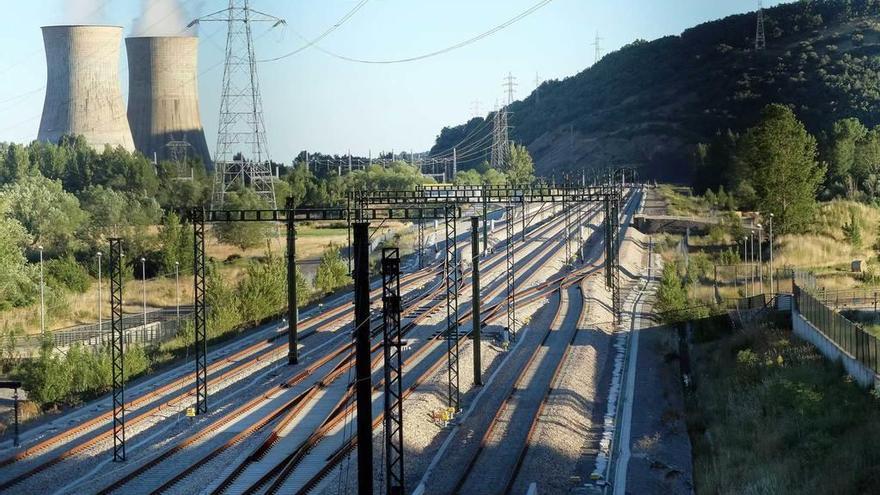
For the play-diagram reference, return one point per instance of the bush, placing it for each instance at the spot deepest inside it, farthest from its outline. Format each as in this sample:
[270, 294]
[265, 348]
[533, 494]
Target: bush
[716, 235]
[263, 291]
[46, 378]
[332, 272]
[67, 274]
[80, 374]
[729, 257]
[852, 230]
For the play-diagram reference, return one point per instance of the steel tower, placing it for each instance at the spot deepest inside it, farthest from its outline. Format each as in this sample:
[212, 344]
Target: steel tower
[242, 153]
[760, 38]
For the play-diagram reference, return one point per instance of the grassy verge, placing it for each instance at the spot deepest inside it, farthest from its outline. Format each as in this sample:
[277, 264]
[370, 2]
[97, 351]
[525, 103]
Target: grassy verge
[770, 415]
[681, 204]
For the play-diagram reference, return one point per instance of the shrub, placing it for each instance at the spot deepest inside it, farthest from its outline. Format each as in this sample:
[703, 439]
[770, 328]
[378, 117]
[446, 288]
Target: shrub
[67, 274]
[332, 272]
[852, 230]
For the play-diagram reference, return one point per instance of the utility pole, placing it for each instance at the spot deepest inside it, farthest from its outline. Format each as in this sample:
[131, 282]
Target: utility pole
[454, 163]
[760, 39]
[391, 307]
[772, 291]
[42, 296]
[363, 383]
[242, 153]
[598, 45]
[100, 301]
[117, 355]
[475, 284]
[292, 308]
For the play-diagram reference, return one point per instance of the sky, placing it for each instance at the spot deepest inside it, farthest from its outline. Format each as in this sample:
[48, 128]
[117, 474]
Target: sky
[315, 102]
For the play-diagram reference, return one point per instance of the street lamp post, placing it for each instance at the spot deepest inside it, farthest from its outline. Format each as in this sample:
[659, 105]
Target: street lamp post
[761, 256]
[177, 288]
[752, 261]
[746, 260]
[100, 297]
[144, 288]
[42, 296]
[771, 254]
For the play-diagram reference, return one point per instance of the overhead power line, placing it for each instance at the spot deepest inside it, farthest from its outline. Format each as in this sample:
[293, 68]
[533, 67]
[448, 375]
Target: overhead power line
[323, 35]
[448, 49]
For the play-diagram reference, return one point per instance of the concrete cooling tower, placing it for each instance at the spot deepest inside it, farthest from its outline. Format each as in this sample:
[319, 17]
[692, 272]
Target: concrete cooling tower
[82, 86]
[163, 98]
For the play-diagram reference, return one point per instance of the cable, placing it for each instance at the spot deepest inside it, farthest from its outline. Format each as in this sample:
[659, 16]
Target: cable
[456, 46]
[323, 35]
[449, 151]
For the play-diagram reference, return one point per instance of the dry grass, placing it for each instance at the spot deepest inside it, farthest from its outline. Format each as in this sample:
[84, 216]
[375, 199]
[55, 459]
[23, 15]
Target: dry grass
[826, 246]
[681, 204]
[82, 309]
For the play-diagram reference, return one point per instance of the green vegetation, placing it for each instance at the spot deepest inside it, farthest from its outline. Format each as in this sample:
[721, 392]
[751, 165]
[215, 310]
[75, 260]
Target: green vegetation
[66, 200]
[55, 379]
[777, 170]
[821, 61]
[770, 415]
[852, 230]
[673, 303]
[332, 271]
[520, 167]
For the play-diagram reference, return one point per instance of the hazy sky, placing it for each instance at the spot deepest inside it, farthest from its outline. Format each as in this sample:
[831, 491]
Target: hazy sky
[316, 102]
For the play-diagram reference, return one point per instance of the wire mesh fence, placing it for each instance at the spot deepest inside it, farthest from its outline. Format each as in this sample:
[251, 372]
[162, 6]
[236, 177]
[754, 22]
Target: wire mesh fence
[150, 328]
[846, 334]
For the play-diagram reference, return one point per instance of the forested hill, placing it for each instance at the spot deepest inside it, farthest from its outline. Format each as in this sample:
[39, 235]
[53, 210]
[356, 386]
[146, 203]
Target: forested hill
[650, 103]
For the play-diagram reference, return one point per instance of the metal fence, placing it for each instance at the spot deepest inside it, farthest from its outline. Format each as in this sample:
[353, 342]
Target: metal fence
[842, 299]
[849, 336]
[161, 325]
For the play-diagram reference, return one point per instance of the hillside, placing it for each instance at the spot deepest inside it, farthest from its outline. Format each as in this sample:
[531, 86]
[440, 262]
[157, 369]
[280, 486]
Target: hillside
[650, 103]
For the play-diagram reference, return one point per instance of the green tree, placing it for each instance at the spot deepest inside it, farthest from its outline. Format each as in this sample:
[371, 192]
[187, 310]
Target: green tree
[243, 234]
[520, 167]
[263, 290]
[47, 379]
[15, 164]
[468, 178]
[852, 230]
[175, 243]
[493, 177]
[781, 157]
[841, 153]
[867, 161]
[16, 286]
[119, 214]
[332, 272]
[51, 215]
[672, 299]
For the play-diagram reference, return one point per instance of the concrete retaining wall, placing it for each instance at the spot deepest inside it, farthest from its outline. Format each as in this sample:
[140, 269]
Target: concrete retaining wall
[807, 331]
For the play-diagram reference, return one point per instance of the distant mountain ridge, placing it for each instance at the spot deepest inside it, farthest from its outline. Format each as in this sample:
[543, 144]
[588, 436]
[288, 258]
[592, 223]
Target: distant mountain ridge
[649, 103]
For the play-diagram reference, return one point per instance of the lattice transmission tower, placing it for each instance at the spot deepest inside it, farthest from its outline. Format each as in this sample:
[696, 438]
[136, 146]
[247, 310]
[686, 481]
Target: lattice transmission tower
[760, 39]
[597, 43]
[501, 127]
[242, 153]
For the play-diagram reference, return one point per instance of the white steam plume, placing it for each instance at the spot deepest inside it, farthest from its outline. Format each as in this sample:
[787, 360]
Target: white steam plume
[162, 18]
[84, 11]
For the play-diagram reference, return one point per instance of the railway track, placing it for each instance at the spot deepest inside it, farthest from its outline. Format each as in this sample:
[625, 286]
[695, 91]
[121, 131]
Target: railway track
[505, 441]
[302, 481]
[505, 432]
[174, 396]
[292, 407]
